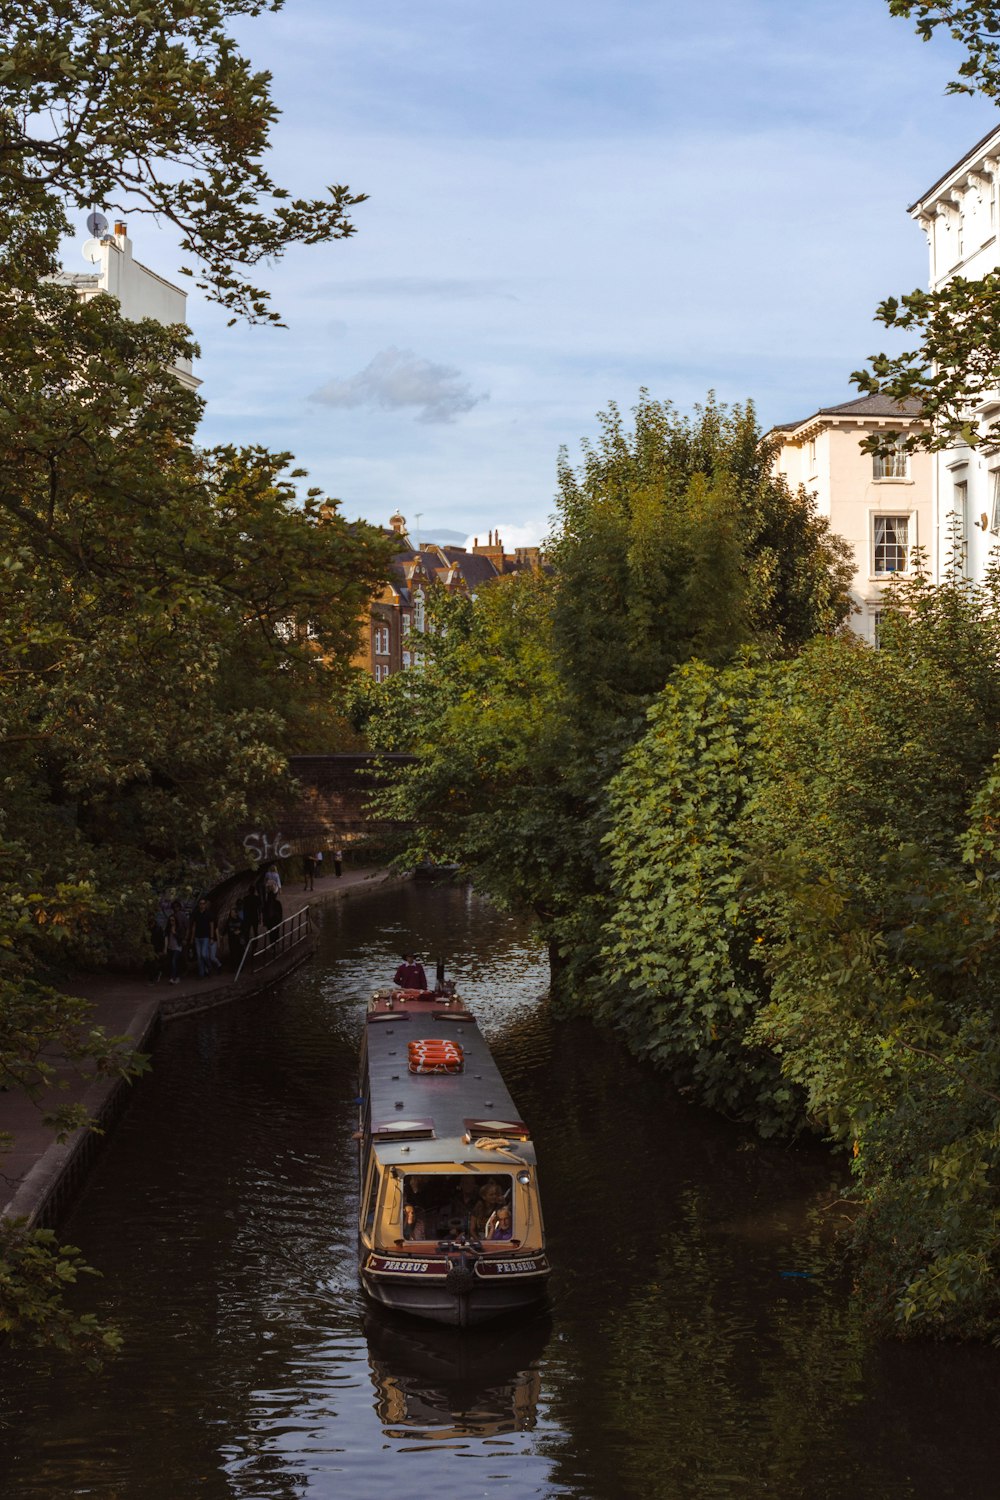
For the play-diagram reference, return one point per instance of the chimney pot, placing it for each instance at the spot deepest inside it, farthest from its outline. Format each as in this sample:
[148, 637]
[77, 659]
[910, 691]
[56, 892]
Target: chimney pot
[120, 230]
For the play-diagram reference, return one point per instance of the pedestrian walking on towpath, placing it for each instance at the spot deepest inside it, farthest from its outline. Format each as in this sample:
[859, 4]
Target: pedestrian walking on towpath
[251, 914]
[234, 936]
[274, 915]
[338, 862]
[174, 948]
[205, 934]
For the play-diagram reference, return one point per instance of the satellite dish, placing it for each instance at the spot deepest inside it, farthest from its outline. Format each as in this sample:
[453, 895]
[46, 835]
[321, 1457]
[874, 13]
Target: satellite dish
[97, 223]
[92, 251]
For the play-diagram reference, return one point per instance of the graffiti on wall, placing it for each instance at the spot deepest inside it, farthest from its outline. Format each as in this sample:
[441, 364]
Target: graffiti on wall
[259, 847]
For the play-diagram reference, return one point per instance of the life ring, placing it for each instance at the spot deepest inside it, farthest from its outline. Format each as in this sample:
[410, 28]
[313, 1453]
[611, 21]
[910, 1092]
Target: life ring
[431, 1055]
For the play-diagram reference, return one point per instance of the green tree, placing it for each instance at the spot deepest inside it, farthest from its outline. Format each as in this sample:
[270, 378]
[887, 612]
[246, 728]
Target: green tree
[672, 540]
[682, 938]
[881, 941]
[155, 680]
[151, 687]
[499, 784]
[149, 110]
[804, 918]
[676, 540]
[953, 365]
[155, 670]
[976, 27]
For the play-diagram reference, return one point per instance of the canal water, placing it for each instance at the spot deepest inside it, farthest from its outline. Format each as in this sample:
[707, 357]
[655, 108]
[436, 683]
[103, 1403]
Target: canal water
[701, 1342]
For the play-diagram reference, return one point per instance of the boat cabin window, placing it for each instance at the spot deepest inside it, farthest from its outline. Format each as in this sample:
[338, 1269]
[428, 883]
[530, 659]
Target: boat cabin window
[439, 1206]
[368, 1221]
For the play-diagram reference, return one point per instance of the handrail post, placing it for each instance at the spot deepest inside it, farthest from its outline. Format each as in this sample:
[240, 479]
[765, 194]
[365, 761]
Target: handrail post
[277, 941]
[246, 949]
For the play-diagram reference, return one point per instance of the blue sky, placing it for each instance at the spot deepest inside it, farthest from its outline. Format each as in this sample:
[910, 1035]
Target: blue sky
[568, 202]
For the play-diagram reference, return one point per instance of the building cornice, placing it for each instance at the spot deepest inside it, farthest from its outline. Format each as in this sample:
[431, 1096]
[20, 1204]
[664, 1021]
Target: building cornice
[976, 167]
[801, 432]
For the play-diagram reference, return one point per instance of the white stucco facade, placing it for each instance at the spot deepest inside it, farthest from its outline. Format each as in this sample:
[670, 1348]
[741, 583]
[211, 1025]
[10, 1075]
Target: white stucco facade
[959, 216]
[881, 506]
[141, 293]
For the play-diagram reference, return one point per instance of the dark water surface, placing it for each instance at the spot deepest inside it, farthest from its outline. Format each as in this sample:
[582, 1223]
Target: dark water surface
[676, 1361]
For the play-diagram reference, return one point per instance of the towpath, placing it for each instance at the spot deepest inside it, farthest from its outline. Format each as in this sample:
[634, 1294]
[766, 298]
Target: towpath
[38, 1170]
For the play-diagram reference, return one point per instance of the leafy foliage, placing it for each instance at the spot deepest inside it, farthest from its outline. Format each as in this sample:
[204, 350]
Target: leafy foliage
[953, 366]
[502, 784]
[152, 685]
[975, 26]
[173, 620]
[683, 944]
[153, 110]
[882, 942]
[675, 540]
[35, 1272]
[805, 925]
[672, 540]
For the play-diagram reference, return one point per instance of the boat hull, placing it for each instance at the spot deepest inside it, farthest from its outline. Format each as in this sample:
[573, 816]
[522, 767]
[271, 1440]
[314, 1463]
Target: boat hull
[457, 1296]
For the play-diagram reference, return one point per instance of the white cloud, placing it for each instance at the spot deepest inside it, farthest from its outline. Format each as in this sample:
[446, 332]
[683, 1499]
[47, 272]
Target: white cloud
[397, 378]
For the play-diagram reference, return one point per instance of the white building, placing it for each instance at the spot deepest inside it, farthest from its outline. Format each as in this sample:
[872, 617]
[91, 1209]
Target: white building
[141, 293]
[882, 506]
[959, 217]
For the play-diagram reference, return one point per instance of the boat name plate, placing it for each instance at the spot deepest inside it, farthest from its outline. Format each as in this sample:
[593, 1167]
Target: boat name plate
[527, 1265]
[385, 1265]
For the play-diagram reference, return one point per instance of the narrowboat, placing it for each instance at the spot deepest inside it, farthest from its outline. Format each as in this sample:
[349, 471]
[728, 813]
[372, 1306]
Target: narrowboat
[450, 1223]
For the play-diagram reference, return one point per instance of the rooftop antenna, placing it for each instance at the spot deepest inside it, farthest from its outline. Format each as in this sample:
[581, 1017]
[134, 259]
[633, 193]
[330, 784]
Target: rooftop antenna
[98, 226]
[419, 514]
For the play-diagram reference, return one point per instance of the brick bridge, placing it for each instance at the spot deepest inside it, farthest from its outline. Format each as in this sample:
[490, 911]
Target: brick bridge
[331, 808]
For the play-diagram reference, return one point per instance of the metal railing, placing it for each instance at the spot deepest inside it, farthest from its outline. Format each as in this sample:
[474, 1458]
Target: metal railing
[268, 947]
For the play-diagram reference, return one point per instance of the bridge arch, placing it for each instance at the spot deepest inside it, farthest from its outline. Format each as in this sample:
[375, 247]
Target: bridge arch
[331, 808]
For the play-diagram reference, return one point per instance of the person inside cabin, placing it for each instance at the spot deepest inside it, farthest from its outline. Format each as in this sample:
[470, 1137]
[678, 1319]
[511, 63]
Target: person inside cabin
[410, 974]
[414, 1227]
[490, 1199]
[500, 1225]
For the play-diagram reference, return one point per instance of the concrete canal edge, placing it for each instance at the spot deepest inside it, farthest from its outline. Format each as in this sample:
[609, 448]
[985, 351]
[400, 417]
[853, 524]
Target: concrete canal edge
[42, 1191]
[58, 1172]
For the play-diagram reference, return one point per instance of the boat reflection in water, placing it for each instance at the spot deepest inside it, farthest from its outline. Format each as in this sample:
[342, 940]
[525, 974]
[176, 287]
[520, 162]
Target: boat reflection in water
[443, 1383]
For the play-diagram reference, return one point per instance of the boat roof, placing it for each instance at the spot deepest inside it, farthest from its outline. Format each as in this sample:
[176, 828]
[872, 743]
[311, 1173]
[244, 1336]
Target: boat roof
[423, 1118]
